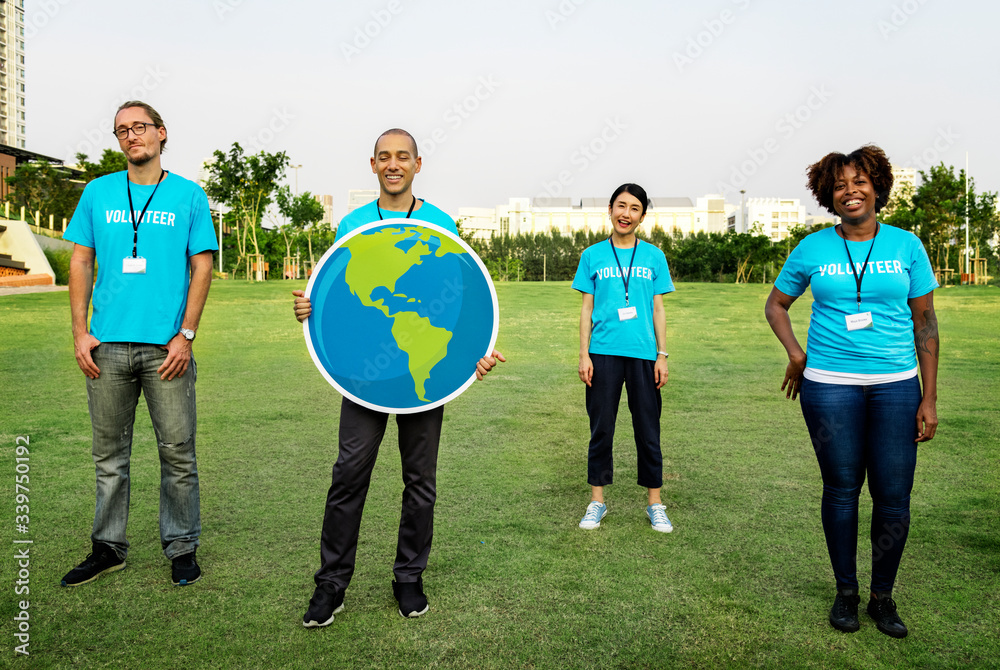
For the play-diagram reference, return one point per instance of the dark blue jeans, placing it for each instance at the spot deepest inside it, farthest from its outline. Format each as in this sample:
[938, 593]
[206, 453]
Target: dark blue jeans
[859, 430]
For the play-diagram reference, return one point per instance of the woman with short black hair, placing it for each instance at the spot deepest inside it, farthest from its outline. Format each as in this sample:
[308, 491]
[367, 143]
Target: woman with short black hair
[872, 327]
[623, 341]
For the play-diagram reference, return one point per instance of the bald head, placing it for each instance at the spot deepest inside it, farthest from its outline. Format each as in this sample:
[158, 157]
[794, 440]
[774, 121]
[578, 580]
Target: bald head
[397, 131]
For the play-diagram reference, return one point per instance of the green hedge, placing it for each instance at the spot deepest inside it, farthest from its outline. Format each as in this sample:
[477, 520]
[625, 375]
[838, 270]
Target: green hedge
[59, 260]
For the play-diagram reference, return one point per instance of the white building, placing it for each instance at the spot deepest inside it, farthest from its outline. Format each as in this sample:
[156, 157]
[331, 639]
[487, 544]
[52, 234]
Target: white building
[359, 197]
[902, 177]
[542, 215]
[821, 219]
[203, 173]
[904, 183]
[772, 217]
[327, 202]
[12, 120]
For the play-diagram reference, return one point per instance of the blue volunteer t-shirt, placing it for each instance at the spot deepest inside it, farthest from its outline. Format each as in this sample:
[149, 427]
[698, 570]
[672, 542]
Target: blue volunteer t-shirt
[599, 275]
[141, 307]
[369, 213]
[897, 271]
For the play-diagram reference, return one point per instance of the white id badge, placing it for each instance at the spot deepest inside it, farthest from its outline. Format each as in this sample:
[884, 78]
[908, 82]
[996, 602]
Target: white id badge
[134, 266]
[626, 313]
[859, 321]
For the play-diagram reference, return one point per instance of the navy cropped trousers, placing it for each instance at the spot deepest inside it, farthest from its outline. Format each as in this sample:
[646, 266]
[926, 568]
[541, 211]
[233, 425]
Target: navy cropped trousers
[644, 403]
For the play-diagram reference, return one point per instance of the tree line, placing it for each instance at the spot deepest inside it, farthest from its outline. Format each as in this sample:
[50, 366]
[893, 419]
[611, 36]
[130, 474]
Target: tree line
[248, 189]
[703, 257]
[936, 212]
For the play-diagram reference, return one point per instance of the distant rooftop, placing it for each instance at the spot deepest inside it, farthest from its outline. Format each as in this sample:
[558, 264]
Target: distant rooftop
[551, 202]
[664, 203]
[25, 156]
[602, 203]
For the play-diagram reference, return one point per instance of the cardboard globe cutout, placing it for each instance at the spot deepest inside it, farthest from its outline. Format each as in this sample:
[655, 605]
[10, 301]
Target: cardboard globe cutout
[402, 310]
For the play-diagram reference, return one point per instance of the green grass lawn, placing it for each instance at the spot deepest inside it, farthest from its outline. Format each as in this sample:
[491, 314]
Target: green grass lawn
[743, 581]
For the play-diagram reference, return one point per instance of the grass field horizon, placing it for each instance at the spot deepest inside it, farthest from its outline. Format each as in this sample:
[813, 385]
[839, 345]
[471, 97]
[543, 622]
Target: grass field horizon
[743, 581]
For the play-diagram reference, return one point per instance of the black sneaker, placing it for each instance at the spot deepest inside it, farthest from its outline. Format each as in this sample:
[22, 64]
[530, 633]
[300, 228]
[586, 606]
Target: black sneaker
[844, 614]
[326, 601]
[185, 570]
[882, 610]
[100, 561]
[411, 598]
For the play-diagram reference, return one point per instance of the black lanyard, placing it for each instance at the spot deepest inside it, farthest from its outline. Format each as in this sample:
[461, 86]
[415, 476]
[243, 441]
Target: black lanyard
[858, 278]
[412, 205]
[625, 277]
[131, 210]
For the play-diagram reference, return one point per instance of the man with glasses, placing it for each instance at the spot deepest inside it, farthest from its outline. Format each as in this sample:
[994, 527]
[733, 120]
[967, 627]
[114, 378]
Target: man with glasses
[151, 235]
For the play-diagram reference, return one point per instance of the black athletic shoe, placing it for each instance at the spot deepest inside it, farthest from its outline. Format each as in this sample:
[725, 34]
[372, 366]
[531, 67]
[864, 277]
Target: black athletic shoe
[411, 598]
[326, 601]
[100, 561]
[185, 570]
[882, 610]
[844, 614]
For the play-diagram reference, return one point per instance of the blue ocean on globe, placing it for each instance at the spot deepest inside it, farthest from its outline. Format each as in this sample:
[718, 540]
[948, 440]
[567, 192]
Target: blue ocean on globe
[401, 314]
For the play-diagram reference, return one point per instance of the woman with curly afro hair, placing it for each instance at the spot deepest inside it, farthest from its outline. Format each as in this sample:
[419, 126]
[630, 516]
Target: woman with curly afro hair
[872, 328]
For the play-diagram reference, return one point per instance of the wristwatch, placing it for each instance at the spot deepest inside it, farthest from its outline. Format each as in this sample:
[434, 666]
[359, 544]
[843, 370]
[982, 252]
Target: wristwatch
[663, 353]
[188, 334]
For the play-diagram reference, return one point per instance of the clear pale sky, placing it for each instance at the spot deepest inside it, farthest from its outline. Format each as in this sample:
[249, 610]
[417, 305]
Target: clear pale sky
[520, 98]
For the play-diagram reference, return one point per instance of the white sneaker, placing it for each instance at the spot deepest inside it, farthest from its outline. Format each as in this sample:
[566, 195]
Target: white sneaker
[595, 512]
[658, 517]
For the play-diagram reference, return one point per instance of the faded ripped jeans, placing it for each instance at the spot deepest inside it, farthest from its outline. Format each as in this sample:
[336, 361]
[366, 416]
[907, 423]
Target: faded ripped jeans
[128, 370]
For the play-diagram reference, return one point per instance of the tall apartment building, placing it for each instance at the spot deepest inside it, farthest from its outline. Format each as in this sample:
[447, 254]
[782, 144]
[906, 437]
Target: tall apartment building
[327, 202]
[904, 183]
[12, 119]
[903, 177]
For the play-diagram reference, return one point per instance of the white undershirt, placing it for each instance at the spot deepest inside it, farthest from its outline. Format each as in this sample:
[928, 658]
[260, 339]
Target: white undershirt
[857, 378]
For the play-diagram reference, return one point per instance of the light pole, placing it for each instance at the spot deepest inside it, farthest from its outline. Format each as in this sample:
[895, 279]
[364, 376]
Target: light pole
[296, 168]
[220, 237]
[743, 211]
[968, 260]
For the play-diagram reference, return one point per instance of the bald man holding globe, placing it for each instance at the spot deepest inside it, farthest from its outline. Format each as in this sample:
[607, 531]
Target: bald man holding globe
[396, 162]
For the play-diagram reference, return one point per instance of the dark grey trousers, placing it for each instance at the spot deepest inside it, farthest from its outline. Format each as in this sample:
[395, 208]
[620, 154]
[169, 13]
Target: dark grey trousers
[361, 432]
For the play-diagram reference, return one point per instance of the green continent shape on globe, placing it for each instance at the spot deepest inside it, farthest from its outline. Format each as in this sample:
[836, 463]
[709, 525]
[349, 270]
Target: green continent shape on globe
[424, 343]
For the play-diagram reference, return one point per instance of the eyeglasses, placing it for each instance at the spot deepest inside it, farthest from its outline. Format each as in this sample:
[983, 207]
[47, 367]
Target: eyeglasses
[138, 128]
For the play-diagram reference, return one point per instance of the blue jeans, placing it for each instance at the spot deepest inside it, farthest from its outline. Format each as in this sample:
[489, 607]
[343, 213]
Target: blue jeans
[859, 430]
[127, 370]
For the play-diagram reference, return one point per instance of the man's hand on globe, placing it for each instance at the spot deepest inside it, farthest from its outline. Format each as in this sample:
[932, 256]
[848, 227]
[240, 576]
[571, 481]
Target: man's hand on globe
[396, 312]
[302, 306]
[487, 363]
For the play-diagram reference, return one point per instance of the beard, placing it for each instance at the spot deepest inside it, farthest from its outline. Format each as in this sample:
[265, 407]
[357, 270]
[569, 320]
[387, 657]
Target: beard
[139, 161]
